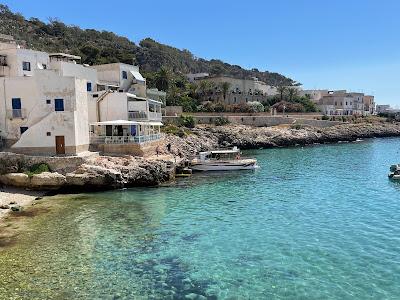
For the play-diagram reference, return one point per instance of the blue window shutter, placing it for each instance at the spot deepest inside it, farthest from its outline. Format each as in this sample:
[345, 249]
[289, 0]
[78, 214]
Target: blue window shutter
[16, 103]
[89, 86]
[59, 104]
[124, 75]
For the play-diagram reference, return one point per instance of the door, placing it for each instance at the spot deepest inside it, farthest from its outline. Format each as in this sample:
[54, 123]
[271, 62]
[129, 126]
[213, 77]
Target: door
[60, 145]
[16, 108]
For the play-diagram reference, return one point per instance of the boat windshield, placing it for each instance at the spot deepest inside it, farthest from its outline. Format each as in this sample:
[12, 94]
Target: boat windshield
[223, 155]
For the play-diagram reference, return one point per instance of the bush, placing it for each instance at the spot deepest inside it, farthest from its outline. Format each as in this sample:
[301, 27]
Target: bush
[187, 121]
[325, 118]
[220, 121]
[296, 126]
[256, 106]
[37, 169]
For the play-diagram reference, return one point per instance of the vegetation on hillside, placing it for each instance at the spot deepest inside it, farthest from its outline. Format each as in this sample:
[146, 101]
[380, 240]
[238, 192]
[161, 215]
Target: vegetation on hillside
[97, 47]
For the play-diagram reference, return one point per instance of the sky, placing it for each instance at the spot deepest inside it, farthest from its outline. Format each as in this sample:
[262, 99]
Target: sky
[323, 44]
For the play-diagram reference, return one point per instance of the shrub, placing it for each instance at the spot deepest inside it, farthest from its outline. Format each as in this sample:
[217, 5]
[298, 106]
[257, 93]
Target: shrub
[296, 126]
[256, 106]
[220, 121]
[187, 121]
[37, 169]
[325, 118]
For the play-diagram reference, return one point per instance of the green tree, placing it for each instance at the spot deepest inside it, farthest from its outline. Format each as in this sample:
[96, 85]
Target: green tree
[162, 79]
[225, 88]
[292, 93]
[281, 90]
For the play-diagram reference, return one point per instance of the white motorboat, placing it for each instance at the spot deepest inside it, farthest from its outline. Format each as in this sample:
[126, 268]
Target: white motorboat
[394, 172]
[223, 160]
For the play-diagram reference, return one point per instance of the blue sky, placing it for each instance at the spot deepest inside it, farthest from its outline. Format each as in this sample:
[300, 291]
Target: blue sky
[341, 44]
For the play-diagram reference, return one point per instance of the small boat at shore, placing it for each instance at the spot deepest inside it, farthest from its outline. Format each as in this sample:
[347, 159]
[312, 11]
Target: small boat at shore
[394, 172]
[222, 160]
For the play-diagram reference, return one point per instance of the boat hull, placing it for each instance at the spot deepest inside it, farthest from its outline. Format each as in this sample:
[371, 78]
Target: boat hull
[224, 166]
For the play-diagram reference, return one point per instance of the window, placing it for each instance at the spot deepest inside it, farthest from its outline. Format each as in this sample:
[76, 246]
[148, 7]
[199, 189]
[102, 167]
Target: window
[48, 133]
[26, 66]
[48, 101]
[44, 66]
[124, 75]
[23, 129]
[16, 108]
[95, 95]
[59, 104]
[89, 86]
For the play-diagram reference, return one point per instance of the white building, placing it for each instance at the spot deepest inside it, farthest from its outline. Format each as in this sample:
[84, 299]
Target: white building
[49, 101]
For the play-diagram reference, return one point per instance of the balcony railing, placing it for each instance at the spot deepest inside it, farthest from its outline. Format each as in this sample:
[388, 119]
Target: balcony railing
[16, 113]
[137, 115]
[125, 139]
[155, 116]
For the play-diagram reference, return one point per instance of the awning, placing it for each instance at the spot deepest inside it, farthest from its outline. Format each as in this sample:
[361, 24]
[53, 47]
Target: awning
[137, 75]
[115, 122]
[151, 123]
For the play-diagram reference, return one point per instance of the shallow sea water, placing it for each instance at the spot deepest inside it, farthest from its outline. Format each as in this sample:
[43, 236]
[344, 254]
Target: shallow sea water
[319, 222]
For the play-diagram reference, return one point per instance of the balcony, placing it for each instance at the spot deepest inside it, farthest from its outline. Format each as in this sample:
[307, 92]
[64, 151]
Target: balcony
[120, 140]
[16, 113]
[155, 116]
[137, 115]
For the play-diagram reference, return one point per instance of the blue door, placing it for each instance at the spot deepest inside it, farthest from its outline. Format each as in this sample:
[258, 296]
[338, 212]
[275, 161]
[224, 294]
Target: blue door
[133, 130]
[59, 104]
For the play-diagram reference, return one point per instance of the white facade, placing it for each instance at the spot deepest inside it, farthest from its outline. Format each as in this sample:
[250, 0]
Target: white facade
[48, 101]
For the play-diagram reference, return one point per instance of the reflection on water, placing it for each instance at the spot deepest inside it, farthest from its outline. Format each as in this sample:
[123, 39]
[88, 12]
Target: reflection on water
[313, 223]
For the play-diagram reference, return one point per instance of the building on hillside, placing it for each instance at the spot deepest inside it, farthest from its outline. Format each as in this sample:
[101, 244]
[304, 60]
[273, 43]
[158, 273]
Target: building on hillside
[192, 77]
[383, 108]
[50, 104]
[239, 91]
[345, 103]
[314, 95]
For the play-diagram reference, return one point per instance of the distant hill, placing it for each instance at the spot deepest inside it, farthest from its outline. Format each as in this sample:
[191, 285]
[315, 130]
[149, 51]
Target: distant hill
[97, 47]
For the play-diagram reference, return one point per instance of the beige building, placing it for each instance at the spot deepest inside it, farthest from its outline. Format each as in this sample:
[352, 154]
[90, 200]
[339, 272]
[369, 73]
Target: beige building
[345, 103]
[240, 90]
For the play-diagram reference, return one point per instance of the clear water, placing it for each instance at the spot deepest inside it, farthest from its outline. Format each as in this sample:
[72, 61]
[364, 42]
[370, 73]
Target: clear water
[319, 222]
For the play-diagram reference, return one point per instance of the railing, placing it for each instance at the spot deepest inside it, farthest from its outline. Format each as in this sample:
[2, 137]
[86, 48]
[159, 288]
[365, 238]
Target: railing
[137, 115]
[16, 113]
[125, 139]
[155, 116]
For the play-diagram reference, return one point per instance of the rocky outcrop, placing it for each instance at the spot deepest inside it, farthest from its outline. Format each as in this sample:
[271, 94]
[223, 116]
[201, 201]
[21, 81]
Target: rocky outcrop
[47, 180]
[247, 137]
[100, 172]
[15, 179]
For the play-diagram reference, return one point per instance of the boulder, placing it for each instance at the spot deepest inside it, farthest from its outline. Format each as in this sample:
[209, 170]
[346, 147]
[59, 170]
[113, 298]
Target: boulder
[4, 206]
[16, 208]
[15, 179]
[47, 180]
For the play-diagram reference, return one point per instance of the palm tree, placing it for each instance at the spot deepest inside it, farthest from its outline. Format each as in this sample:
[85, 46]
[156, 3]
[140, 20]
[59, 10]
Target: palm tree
[225, 88]
[281, 90]
[292, 93]
[162, 79]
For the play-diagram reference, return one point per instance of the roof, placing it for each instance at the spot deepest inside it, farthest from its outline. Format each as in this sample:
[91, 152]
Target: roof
[137, 75]
[115, 122]
[231, 151]
[64, 55]
[125, 123]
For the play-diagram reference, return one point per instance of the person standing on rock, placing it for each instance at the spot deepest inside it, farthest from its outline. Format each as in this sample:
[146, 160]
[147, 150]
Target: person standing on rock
[169, 147]
[158, 150]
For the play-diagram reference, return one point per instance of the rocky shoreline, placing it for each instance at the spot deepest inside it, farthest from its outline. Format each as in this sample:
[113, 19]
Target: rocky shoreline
[94, 172]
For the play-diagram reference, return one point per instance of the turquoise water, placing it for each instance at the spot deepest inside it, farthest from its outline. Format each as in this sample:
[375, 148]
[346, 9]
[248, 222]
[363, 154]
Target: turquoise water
[320, 222]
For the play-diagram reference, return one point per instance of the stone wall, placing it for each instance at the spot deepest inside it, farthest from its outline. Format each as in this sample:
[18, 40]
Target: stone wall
[255, 120]
[144, 150]
[13, 162]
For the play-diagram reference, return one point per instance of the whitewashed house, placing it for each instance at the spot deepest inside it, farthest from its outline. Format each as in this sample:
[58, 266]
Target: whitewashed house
[52, 105]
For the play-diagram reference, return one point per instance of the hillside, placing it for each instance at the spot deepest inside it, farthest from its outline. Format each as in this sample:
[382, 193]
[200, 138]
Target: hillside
[97, 47]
